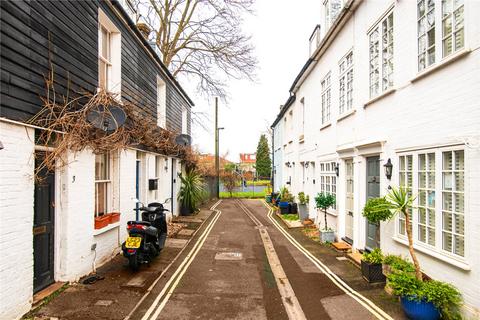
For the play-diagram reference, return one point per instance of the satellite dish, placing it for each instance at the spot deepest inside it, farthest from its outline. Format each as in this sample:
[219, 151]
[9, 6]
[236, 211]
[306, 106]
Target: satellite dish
[183, 140]
[107, 119]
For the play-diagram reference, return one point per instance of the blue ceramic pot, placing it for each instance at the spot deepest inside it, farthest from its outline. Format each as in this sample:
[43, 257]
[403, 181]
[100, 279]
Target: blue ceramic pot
[422, 310]
[283, 204]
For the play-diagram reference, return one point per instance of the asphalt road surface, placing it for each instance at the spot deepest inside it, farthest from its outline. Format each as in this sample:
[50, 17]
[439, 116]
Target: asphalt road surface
[244, 266]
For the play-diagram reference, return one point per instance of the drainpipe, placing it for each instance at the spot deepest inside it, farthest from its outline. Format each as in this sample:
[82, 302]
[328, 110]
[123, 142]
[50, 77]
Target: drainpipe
[273, 159]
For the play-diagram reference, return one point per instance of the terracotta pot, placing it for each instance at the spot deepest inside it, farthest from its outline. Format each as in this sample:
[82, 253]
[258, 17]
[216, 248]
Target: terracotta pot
[102, 221]
[114, 217]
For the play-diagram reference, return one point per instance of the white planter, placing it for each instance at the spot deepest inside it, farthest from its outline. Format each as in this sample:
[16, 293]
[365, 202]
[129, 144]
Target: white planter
[302, 211]
[327, 236]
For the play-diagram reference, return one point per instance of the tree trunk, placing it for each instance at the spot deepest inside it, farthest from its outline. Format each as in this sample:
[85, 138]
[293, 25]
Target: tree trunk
[325, 215]
[408, 228]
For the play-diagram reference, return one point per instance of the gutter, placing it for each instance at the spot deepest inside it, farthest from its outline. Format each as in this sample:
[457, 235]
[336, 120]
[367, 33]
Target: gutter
[284, 109]
[118, 6]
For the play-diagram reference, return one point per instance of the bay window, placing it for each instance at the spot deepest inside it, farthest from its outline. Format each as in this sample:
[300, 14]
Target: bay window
[328, 179]
[381, 56]
[438, 215]
[326, 99]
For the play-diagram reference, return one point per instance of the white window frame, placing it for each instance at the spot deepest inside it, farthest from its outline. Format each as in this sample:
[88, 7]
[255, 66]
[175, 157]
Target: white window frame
[328, 181]
[326, 85]
[161, 103]
[381, 57]
[107, 182]
[437, 248]
[113, 60]
[345, 83]
[454, 30]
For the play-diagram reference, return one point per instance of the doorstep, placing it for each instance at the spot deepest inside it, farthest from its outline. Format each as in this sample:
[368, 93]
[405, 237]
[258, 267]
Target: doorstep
[342, 246]
[355, 257]
[42, 294]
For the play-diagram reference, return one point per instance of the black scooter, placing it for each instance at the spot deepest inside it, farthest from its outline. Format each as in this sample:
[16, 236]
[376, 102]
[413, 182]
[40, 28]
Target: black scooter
[146, 238]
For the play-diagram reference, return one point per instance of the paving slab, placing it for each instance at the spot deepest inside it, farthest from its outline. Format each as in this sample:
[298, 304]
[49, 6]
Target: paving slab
[175, 243]
[139, 280]
[185, 232]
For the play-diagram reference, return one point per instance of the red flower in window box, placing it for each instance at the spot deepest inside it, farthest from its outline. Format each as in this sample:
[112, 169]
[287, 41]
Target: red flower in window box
[114, 217]
[102, 221]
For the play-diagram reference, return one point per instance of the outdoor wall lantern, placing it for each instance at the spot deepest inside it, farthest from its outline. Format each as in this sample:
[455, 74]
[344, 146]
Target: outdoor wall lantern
[337, 169]
[306, 164]
[287, 164]
[388, 169]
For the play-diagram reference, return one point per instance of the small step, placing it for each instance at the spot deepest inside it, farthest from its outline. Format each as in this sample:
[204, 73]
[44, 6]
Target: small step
[355, 257]
[42, 294]
[342, 246]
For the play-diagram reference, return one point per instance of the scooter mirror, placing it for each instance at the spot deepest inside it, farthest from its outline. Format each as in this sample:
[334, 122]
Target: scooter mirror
[168, 200]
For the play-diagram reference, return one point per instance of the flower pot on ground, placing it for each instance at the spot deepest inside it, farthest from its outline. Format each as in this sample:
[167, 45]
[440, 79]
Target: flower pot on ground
[191, 192]
[421, 310]
[371, 265]
[324, 201]
[102, 221]
[303, 205]
[284, 207]
[114, 217]
[292, 208]
[327, 236]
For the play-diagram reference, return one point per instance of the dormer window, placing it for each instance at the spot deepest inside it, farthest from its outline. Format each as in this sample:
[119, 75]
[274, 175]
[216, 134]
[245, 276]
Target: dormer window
[332, 9]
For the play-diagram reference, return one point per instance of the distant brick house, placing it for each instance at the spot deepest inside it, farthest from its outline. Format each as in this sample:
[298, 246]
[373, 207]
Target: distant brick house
[247, 163]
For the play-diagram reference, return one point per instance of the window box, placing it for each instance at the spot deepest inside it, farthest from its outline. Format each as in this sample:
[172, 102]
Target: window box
[102, 221]
[114, 217]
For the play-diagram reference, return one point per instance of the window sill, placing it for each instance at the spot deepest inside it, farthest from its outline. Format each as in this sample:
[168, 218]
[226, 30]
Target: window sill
[346, 115]
[461, 264]
[97, 232]
[379, 97]
[442, 64]
[326, 125]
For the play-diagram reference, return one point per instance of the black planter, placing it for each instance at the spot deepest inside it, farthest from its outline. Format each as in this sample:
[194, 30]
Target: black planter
[372, 272]
[185, 211]
[285, 210]
[292, 208]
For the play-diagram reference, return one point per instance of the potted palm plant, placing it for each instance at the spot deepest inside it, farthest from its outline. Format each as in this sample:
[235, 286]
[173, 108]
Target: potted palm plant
[324, 201]
[371, 265]
[191, 192]
[303, 201]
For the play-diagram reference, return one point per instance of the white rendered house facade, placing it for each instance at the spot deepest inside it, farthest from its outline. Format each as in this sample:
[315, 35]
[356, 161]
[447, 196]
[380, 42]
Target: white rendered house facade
[398, 81]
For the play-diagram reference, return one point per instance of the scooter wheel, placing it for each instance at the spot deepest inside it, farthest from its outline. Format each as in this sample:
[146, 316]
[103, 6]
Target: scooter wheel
[133, 262]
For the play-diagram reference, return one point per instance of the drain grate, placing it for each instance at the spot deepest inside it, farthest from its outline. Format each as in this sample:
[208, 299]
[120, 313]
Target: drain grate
[229, 256]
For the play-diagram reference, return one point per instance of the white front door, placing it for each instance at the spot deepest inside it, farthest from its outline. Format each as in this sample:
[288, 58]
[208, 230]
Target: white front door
[349, 200]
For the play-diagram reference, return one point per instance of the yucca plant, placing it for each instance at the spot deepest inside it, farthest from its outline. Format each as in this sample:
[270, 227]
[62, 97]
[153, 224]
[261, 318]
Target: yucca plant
[400, 202]
[192, 190]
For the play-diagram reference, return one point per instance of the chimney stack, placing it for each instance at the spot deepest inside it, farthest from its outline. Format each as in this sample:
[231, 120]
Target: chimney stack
[144, 29]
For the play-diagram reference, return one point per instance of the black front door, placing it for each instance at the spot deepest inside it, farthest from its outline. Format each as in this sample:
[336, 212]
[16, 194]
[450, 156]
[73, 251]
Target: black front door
[43, 227]
[373, 191]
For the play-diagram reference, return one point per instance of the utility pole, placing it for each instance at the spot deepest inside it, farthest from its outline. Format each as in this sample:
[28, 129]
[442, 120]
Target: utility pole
[217, 159]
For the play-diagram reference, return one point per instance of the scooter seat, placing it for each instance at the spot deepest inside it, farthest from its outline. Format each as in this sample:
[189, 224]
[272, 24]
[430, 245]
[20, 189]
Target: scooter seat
[151, 231]
[143, 223]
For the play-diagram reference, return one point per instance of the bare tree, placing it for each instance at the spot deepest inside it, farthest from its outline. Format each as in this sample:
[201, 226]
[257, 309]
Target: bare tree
[201, 39]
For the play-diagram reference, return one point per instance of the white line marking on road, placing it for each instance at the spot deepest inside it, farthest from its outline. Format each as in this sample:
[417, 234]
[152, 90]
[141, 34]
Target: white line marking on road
[289, 299]
[365, 302]
[156, 308]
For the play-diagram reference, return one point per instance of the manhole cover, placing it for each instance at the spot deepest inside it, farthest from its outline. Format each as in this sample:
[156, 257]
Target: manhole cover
[103, 303]
[229, 256]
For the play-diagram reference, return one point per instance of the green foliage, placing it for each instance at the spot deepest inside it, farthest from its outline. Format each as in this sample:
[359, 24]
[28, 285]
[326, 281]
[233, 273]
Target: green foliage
[243, 195]
[374, 257]
[377, 209]
[324, 201]
[263, 163]
[399, 200]
[405, 285]
[302, 199]
[443, 295]
[397, 263]
[285, 195]
[290, 217]
[230, 167]
[192, 190]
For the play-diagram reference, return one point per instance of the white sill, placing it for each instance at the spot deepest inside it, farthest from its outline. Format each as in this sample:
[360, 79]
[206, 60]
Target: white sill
[326, 125]
[381, 96]
[111, 226]
[442, 64]
[461, 264]
[346, 115]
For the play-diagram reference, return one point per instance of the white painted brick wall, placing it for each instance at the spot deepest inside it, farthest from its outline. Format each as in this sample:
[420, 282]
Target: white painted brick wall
[16, 220]
[441, 108]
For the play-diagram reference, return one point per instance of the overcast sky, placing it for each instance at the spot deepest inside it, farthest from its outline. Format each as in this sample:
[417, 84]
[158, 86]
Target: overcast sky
[280, 32]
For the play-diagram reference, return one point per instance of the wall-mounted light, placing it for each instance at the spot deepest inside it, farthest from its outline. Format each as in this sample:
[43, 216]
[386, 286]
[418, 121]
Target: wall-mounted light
[388, 169]
[337, 169]
[306, 164]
